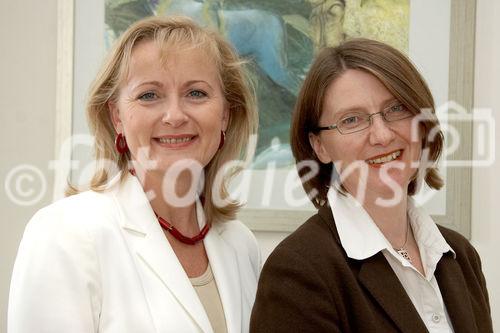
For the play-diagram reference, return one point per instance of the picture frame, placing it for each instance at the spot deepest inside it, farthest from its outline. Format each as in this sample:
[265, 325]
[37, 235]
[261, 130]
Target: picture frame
[75, 50]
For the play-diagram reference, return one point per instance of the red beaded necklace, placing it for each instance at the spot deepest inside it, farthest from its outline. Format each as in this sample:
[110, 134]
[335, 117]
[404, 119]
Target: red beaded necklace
[176, 233]
[180, 237]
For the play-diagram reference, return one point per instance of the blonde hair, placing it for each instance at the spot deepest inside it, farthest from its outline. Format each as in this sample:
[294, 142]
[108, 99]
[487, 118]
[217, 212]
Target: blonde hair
[238, 91]
[397, 74]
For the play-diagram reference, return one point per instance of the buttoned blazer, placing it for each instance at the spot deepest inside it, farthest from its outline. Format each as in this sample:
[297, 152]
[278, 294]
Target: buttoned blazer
[99, 262]
[308, 284]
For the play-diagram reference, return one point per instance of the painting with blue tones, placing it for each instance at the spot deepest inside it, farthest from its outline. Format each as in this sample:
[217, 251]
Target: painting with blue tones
[279, 38]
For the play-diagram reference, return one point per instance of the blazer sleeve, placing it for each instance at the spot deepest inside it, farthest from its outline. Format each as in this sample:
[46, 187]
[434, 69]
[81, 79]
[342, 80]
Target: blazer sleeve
[291, 297]
[480, 277]
[55, 284]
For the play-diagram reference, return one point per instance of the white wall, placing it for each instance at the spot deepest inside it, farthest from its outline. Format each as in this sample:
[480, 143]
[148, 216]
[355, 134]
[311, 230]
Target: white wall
[486, 181]
[27, 110]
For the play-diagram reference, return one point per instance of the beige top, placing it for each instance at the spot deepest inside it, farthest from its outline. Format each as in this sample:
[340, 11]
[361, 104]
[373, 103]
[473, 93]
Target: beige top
[207, 291]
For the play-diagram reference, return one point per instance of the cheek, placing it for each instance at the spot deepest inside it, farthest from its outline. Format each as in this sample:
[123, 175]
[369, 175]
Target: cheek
[416, 146]
[138, 131]
[340, 156]
[345, 151]
[416, 150]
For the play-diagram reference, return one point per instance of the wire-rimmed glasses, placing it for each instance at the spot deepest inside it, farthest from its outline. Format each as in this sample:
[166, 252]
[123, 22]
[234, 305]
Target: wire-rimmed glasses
[358, 121]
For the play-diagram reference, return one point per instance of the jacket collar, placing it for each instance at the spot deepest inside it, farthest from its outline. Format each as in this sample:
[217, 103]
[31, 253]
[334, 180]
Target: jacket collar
[358, 234]
[361, 238]
[382, 283]
[377, 276]
[147, 239]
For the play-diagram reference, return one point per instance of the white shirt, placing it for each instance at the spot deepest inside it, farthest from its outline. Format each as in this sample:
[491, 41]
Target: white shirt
[361, 238]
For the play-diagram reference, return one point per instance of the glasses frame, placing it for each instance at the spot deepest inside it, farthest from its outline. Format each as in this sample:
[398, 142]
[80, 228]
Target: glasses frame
[368, 117]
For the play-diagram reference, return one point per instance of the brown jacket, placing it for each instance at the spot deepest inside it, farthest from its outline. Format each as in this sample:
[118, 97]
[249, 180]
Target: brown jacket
[308, 284]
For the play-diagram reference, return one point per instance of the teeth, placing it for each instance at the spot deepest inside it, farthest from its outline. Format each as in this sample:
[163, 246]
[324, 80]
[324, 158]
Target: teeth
[174, 140]
[385, 159]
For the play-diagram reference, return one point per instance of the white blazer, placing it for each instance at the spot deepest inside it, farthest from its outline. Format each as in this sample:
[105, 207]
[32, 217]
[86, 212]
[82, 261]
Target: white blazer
[99, 262]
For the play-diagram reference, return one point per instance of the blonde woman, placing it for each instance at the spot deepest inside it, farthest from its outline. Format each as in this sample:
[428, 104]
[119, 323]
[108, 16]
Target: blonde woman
[147, 249]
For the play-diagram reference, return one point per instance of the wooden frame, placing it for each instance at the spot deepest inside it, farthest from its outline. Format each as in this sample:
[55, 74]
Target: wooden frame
[461, 90]
[64, 94]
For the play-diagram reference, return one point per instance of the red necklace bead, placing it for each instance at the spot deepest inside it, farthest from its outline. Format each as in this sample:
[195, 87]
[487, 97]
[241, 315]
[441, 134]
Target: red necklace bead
[176, 233]
[180, 237]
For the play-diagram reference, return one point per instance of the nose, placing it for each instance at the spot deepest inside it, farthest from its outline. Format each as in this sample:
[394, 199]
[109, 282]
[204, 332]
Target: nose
[174, 114]
[380, 131]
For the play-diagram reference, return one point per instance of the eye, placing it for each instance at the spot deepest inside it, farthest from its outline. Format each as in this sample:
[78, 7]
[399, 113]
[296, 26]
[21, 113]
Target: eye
[397, 108]
[148, 96]
[197, 93]
[350, 120]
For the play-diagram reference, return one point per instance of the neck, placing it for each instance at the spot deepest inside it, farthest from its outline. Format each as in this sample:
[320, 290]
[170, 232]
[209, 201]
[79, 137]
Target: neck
[176, 204]
[391, 220]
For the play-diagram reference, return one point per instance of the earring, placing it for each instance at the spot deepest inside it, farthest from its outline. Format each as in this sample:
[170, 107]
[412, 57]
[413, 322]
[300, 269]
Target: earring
[121, 144]
[222, 139]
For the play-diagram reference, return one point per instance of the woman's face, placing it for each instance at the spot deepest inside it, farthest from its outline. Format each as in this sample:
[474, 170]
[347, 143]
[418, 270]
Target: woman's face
[171, 110]
[384, 148]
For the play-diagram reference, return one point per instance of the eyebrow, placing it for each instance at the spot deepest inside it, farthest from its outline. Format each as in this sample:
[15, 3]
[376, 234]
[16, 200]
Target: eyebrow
[384, 104]
[188, 83]
[160, 85]
[154, 83]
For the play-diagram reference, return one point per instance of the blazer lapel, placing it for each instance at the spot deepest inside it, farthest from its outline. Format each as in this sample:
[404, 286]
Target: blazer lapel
[452, 285]
[377, 276]
[149, 243]
[227, 276]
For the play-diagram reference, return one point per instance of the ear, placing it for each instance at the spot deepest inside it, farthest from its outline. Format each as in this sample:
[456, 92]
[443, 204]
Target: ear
[115, 117]
[319, 149]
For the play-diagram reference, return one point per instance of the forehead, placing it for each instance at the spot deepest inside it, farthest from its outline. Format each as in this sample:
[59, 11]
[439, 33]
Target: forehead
[150, 58]
[355, 89]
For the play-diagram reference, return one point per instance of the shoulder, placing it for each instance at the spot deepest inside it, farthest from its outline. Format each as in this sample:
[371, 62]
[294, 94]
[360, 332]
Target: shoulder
[241, 239]
[470, 265]
[301, 282]
[316, 235]
[236, 232]
[466, 255]
[314, 244]
[459, 244]
[87, 203]
[77, 215]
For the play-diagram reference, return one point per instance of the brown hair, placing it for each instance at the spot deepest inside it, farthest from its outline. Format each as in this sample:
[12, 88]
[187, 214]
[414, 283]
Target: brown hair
[398, 75]
[172, 31]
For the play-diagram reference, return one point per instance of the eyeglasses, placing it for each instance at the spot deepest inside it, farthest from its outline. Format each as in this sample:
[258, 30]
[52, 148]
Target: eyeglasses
[358, 121]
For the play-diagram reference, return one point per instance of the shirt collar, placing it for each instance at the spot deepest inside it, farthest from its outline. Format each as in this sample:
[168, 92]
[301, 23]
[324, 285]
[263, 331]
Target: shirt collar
[361, 238]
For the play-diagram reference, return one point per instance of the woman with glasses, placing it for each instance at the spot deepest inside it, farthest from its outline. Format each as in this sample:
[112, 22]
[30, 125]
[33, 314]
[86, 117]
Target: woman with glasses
[370, 260]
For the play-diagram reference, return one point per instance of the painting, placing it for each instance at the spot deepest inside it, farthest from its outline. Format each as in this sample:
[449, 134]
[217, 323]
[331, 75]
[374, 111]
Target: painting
[281, 38]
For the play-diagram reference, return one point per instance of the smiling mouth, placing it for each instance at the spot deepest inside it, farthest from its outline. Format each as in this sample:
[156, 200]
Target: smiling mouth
[385, 158]
[175, 140]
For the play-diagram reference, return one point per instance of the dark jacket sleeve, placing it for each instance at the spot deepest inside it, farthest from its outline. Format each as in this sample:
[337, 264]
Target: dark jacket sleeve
[481, 278]
[292, 297]
[470, 265]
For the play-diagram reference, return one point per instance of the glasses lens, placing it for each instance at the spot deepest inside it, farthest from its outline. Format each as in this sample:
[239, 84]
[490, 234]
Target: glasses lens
[397, 112]
[353, 123]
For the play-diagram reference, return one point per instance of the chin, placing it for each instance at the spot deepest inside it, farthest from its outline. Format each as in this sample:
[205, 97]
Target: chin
[390, 188]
